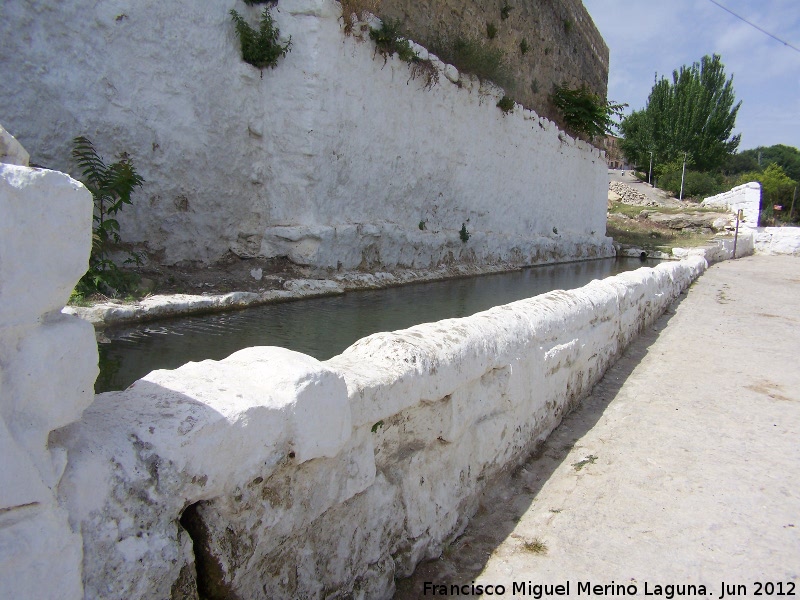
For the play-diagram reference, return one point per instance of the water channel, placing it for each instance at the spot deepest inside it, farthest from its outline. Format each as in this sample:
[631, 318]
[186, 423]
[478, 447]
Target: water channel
[324, 327]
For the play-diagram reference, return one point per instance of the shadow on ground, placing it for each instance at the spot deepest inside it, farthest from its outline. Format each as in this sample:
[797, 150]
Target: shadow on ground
[511, 495]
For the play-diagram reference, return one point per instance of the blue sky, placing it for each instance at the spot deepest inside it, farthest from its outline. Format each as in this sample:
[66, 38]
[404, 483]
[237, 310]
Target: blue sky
[649, 36]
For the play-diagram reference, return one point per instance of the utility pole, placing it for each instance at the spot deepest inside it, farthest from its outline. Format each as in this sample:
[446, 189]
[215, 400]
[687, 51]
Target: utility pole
[683, 175]
[650, 176]
[791, 211]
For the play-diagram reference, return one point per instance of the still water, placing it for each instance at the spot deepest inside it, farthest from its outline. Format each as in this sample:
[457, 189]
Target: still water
[324, 327]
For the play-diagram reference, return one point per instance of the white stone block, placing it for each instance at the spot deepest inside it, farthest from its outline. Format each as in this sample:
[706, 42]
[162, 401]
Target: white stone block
[11, 151]
[451, 73]
[38, 206]
[40, 556]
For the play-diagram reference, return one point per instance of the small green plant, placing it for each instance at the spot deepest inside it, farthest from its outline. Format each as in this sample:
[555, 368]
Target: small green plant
[506, 104]
[422, 225]
[589, 460]
[567, 25]
[523, 47]
[260, 48]
[547, 50]
[472, 55]
[535, 86]
[491, 31]
[535, 546]
[464, 234]
[377, 426]
[111, 187]
[555, 230]
[389, 40]
[505, 10]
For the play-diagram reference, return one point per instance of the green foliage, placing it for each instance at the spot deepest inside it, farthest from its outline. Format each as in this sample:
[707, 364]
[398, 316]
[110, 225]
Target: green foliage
[389, 40]
[523, 46]
[111, 187]
[464, 234]
[260, 48]
[693, 113]
[786, 157]
[505, 10]
[696, 184]
[585, 112]
[506, 104]
[470, 55]
[422, 225]
[491, 31]
[776, 188]
[567, 25]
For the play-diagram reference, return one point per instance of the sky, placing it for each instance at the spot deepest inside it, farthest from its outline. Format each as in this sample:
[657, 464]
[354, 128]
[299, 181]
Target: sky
[645, 37]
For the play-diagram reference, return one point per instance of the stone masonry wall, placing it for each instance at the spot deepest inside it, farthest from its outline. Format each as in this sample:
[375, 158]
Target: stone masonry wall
[564, 46]
[335, 158]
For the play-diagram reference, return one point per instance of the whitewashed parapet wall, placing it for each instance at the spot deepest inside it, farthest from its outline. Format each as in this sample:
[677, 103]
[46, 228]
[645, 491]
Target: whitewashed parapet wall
[746, 197]
[778, 240]
[766, 240]
[334, 158]
[48, 364]
[272, 475]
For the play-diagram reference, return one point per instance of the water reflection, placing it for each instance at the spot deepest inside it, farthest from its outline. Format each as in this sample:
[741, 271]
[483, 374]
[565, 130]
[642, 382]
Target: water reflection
[323, 327]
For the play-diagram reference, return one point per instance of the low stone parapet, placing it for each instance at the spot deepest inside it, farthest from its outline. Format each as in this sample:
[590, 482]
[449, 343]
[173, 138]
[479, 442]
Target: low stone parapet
[270, 474]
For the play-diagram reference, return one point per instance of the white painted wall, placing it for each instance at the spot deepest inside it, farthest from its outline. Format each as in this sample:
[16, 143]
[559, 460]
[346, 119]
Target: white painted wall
[778, 240]
[746, 197]
[333, 158]
[48, 364]
[307, 477]
[765, 240]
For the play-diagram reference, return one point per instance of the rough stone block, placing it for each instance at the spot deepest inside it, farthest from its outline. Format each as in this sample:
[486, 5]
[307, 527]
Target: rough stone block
[11, 151]
[37, 205]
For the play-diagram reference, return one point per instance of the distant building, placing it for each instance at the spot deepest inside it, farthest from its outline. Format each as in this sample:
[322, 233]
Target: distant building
[614, 157]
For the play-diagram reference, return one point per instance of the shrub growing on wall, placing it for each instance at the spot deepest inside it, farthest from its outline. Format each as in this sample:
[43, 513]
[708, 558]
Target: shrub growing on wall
[260, 48]
[584, 111]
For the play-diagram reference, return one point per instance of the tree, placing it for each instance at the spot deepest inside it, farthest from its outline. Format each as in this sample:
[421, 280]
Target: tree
[776, 187]
[786, 157]
[694, 114]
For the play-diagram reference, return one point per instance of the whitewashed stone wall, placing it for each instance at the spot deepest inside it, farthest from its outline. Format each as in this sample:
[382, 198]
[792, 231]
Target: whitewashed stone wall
[272, 475]
[48, 364]
[746, 197]
[765, 240]
[334, 158]
[778, 240]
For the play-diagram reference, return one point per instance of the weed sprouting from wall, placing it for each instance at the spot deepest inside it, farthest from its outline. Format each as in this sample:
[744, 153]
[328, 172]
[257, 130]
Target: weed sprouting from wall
[505, 10]
[470, 55]
[260, 48]
[389, 40]
[523, 46]
[464, 234]
[425, 69]
[491, 31]
[506, 104]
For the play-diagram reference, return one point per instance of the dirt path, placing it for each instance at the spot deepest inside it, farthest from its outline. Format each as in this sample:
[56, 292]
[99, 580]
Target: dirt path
[681, 468]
